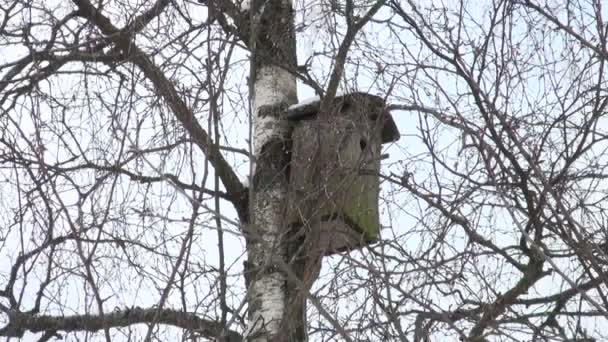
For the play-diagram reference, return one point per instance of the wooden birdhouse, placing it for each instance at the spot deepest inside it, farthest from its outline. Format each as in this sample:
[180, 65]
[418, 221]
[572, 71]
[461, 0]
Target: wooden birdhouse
[334, 171]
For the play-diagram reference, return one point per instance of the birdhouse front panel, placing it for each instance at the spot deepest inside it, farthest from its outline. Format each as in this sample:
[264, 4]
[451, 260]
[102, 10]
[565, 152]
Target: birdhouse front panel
[334, 182]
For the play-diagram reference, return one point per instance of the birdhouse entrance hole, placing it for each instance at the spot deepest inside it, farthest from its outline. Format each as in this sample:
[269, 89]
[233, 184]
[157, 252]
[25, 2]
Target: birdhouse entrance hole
[363, 144]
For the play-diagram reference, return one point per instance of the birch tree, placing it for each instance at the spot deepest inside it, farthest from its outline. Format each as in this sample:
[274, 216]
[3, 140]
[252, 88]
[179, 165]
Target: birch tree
[145, 163]
[273, 88]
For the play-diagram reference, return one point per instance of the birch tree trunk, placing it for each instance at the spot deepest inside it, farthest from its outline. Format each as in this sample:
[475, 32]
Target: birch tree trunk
[271, 297]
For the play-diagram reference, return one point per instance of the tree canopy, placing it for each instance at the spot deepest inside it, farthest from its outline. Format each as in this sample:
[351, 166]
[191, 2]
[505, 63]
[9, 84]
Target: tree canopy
[130, 132]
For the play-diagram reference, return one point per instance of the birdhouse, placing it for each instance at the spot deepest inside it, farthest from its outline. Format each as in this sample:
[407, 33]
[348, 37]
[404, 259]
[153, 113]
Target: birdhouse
[334, 171]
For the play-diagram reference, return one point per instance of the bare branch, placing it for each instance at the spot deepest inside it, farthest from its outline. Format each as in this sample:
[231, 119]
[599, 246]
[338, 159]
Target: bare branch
[234, 187]
[21, 322]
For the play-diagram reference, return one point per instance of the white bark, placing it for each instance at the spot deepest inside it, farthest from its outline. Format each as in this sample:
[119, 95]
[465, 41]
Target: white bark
[273, 85]
[270, 294]
[267, 292]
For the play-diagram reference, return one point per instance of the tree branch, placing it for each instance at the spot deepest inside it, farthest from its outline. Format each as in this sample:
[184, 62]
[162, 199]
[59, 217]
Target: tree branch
[19, 322]
[235, 189]
[218, 9]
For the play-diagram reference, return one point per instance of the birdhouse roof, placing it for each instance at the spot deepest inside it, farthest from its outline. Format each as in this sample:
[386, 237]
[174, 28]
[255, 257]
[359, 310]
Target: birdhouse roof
[310, 107]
